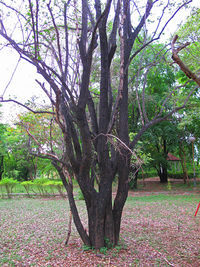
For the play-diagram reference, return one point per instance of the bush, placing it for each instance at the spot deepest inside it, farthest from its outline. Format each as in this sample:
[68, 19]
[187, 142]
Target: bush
[179, 175]
[40, 185]
[58, 185]
[147, 174]
[8, 184]
[27, 185]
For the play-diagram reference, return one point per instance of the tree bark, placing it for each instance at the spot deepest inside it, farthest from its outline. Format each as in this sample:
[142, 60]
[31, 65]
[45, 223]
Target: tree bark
[1, 167]
[183, 162]
[163, 174]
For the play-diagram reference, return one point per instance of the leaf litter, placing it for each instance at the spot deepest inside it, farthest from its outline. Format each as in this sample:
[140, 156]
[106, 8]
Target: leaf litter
[154, 232]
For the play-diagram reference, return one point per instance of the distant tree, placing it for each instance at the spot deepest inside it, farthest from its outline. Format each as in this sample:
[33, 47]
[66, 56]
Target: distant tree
[41, 130]
[18, 163]
[2, 148]
[159, 141]
[185, 53]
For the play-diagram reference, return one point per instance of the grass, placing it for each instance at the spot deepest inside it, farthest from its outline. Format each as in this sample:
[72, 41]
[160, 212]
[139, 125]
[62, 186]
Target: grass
[161, 197]
[156, 230]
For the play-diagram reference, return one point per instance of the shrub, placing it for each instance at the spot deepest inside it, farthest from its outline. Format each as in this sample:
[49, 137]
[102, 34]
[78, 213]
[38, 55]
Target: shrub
[40, 185]
[8, 184]
[59, 186]
[179, 175]
[55, 185]
[147, 174]
[51, 185]
[27, 185]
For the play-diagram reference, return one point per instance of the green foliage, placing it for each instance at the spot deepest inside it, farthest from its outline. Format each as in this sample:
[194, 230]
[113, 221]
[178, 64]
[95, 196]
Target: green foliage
[179, 175]
[189, 32]
[18, 163]
[103, 250]
[44, 129]
[3, 129]
[60, 187]
[147, 174]
[43, 186]
[45, 168]
[159, 140]
[40, 181]
[28, 185]
[8, 184]
[55, 185]
[40, 185]
[8, 181]
[86, 247]
[108, 243]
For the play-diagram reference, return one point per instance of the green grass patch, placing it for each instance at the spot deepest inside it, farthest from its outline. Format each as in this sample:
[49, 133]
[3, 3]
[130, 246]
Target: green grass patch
[162, 197]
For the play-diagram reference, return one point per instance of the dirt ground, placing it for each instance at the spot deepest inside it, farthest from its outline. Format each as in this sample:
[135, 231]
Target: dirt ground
[175, 186]
[153, 233]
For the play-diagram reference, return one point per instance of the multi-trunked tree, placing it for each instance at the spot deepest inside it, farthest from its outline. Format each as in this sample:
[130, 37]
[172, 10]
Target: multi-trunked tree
[64, 40]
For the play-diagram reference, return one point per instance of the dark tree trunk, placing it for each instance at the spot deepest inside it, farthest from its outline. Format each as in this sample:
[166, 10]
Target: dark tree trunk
[104, 219]
[183, 162]
[1, 167]
[101, 224]
[163, 165]
[163, 174]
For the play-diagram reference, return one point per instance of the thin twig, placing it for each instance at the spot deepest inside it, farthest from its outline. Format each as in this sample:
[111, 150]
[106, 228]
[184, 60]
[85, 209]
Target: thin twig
[13, 73]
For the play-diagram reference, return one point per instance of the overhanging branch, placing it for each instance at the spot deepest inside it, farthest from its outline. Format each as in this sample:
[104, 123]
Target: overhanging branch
[178, 61]
[24, 106]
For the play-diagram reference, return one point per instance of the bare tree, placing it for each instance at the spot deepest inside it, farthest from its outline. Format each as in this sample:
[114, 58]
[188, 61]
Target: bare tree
[62, 40]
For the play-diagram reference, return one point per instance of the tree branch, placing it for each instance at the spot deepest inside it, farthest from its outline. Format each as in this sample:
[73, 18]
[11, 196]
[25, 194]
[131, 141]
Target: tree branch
[158, 119]
[23, 105]
[178, 61]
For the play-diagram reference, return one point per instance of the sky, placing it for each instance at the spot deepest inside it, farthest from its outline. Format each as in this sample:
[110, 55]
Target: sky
[23, 85]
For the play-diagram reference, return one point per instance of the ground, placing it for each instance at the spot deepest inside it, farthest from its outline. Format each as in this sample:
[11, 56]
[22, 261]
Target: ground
[158, 229]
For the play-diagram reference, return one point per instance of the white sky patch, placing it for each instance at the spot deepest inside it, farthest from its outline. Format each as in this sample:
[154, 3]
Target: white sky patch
[22, 86]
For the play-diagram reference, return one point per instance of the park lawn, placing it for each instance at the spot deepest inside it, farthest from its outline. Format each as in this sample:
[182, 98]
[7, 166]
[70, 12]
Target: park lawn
[157, 230]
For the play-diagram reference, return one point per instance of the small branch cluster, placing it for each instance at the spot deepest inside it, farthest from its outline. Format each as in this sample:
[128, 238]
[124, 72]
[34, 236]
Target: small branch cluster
[181, 64]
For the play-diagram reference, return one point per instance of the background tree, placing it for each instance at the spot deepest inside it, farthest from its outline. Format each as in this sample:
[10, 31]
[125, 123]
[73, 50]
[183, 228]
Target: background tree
[2, 148]
[186, 55]
[18, 163]
[95, 132]
[160, 140]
